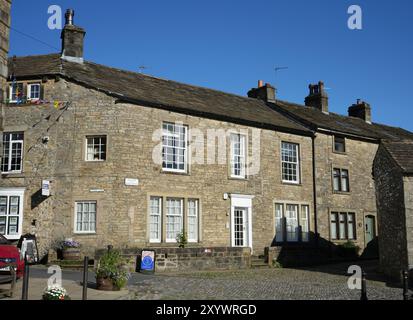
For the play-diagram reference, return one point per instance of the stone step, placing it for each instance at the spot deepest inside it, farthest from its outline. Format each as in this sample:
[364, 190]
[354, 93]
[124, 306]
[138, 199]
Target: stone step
[70, 264]
[259, 266]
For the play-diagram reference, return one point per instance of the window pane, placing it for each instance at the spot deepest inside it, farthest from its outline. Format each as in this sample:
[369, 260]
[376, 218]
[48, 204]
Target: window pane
[344, 180]
[279, 230]
[174, 219]
[193, 220]
[304, 220]
[290, 163]
[291, 214]
[3, 206]
[343, 218]
[333, 226]
[336, 180]
[34, 91]
[155, 219]
[85, 216]
[351, 226]
[238, 155]
[96, 148]
[174, 146]
[339, 144]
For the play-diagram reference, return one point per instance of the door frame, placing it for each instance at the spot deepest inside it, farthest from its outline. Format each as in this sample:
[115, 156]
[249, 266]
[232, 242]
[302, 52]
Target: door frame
[242, 201]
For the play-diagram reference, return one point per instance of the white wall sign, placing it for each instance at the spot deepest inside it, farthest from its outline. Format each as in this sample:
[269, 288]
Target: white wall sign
[46, 188]
[131, 182]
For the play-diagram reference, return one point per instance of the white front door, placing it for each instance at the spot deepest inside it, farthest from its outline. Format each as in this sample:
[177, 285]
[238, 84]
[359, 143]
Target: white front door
[241, 227]
[241, 221]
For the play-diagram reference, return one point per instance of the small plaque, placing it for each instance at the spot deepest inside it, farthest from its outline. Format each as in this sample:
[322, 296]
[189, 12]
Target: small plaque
[131, 182]
[46, 188]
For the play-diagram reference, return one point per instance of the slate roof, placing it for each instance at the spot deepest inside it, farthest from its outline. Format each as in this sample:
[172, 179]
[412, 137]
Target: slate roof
[402, 153]
[315, 119]
[154, 92]
[150, 91]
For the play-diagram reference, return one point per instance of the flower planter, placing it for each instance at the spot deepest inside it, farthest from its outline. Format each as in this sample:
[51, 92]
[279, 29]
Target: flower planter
[105, 284]
[71, 254]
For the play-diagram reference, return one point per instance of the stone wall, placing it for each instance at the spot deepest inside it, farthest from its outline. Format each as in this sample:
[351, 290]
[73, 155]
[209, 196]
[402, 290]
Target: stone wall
[408, 207]
[361, 199]
[122, 217]
[5, 7]
[189, 259]
[391, 213]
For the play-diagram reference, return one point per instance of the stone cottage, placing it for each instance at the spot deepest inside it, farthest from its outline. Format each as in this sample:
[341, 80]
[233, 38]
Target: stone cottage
[393, 172]
[344, 150]
[132, 160]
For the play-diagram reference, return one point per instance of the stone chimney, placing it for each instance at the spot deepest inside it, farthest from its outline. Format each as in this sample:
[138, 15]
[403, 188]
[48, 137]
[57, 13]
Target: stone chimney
[360, 110]
[72, 39]
[318, 97]
[265, 92]
[5, 7]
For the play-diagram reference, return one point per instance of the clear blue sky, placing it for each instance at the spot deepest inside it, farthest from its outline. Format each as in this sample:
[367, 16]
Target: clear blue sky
[230, 44]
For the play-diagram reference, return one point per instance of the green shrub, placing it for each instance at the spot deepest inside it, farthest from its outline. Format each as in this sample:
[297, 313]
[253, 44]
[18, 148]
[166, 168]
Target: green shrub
[348, 250]
[276, 264]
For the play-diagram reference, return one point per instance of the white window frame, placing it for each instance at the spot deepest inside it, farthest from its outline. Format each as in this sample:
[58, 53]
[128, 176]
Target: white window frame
[159, 215]
[11, 143]
[100, 145]
[14, 192]
[196, 216]
[75, 217]
[29, 90]
[242, 156]
[297, 163]
[11, 87]
[166, 134]
[279, 238]
[181, 215]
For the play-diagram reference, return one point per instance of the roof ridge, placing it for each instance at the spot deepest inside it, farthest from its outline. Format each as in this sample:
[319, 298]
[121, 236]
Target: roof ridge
[33, 56]
[174, 81]
[344, 116]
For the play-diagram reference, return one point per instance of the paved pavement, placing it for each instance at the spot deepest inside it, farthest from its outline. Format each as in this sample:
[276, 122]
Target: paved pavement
[317, 283]
[71, 282]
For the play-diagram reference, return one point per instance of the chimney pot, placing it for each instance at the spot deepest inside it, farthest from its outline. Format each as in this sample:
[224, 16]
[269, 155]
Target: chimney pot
[70, 13]
[260, 83]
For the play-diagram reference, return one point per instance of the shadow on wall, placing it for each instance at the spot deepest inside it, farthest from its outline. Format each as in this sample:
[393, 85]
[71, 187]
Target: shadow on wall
[323, 251]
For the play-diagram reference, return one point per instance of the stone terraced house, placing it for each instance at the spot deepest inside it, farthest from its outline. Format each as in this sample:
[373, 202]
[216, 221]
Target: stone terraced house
[134, 160]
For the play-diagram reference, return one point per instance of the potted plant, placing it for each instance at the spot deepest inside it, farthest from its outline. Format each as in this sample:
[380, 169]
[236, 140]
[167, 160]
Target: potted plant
[71, 250]
[111, 274]
[182, 239]
[55, 293]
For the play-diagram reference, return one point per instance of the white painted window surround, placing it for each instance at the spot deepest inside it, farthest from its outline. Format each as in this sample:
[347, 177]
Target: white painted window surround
[11, 212]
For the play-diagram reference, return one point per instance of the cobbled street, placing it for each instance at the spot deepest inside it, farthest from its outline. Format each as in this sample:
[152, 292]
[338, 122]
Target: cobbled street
[316, 283]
